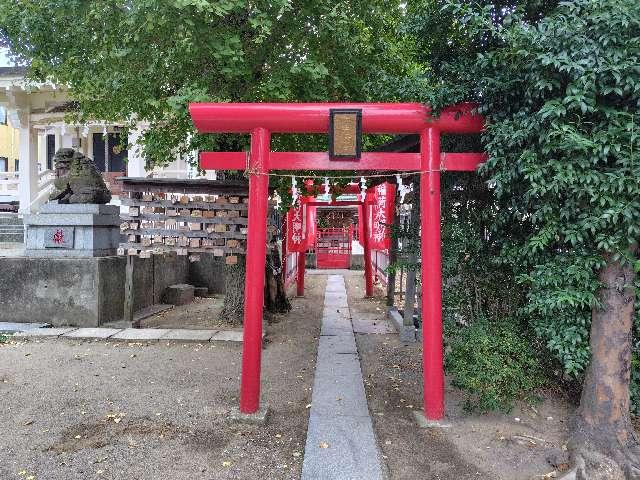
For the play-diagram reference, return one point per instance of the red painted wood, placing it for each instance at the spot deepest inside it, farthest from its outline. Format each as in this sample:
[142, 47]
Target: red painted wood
[433, 368]
[314, 117]
[254, 279]
[461, 162]
[333, 247]
[284, 247]
[321, 161]
[366, 232]
[313, 161]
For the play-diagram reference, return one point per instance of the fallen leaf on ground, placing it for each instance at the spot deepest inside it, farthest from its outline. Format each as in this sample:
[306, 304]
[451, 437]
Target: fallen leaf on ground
[324, 445]
[226, 463]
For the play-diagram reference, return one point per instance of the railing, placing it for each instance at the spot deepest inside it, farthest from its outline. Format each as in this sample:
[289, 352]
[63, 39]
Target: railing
[9, 186]
[45, 185]
[379, 264]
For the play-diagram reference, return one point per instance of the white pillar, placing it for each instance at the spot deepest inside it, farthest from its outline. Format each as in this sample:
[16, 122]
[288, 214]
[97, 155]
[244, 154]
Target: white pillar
[42, 150]
[135, 160]
[66, 140]
[58, 142]
[29, 177]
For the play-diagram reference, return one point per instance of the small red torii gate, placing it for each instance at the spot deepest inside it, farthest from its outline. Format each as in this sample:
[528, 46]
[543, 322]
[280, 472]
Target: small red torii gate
[263, 119]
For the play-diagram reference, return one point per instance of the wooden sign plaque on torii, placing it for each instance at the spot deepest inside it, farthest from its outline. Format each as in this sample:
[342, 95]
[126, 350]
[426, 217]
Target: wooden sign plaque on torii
[261, 120]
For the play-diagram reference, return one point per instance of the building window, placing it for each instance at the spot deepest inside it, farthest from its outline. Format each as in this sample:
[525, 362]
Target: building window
[16, 165]
[4, 164]
[3, 116]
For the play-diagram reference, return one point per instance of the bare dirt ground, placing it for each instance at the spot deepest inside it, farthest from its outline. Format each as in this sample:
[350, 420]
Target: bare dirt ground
[512, 446]
[203, 313]
[96, 410]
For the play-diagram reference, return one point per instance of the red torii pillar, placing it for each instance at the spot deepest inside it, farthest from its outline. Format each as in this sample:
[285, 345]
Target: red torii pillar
[263, 119]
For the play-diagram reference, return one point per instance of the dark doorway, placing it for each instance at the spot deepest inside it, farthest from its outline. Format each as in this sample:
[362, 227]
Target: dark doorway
[115, 161]
[51, 150]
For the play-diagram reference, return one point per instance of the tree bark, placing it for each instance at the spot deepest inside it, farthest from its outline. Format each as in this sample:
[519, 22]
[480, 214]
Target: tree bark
[603, 443]
[275, 297]
[233, 307]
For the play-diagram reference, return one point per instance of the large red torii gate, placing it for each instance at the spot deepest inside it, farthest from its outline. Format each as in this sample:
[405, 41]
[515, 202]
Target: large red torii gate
[263, 119]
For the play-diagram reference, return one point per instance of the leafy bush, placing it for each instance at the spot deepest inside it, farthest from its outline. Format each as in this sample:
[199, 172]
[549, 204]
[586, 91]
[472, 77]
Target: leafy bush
[495, 363]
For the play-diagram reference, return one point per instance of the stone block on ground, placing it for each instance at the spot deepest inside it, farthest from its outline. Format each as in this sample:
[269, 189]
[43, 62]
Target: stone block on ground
[44, 332]
[11, 327]
[257, 418]
[201, 291]
[140, 334]
[91, 333]
[184, 335]
[227, 336]
[179, 294]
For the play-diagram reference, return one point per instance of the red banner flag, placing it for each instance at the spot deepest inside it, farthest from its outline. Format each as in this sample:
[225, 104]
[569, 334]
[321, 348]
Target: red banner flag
[381, 216]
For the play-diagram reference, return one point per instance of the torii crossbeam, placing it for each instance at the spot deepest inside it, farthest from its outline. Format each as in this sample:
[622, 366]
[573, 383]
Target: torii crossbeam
[263, 119]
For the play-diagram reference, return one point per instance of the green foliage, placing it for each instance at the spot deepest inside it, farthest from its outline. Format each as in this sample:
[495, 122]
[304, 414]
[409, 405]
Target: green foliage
[494, 363]
[146, 59]
[3, 338]
[562, 100]
[560, 86]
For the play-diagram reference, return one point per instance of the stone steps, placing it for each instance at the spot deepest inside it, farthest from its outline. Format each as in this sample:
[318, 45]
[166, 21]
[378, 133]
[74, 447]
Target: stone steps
[11, 228]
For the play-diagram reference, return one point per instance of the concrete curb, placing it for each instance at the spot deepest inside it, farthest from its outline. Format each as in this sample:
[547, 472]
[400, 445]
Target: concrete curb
[145, 335]
[407, 333]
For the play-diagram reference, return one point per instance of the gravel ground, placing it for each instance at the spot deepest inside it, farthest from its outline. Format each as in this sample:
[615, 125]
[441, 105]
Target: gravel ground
[512, 446]
[96, 410]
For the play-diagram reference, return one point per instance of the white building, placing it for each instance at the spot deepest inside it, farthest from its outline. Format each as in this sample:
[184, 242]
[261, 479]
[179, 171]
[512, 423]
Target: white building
[38, 112]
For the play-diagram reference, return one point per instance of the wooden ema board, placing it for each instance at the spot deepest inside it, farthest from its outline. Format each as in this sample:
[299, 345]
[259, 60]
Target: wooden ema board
[189, 217]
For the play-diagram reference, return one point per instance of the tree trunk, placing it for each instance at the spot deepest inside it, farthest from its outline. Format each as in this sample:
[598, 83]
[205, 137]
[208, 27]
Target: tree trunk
[603, 443]
[233, 308]
[275, 296]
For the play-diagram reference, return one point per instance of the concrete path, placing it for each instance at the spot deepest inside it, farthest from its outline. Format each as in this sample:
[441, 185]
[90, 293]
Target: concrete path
[341, 444]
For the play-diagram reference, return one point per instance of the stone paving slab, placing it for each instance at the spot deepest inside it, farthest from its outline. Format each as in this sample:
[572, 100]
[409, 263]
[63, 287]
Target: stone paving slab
[333, 324]
[349, 451]
[338, 330]
[336, 344]
[185, 335]
[91, 333]
[228, 336]
[340, 442]
[140, 334]
[339, 395]
[333, 312]
[44, 332]
[332, 364]
[10, 327]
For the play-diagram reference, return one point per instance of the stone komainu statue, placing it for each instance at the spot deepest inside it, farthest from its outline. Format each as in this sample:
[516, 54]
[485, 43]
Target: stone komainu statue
[77, 179]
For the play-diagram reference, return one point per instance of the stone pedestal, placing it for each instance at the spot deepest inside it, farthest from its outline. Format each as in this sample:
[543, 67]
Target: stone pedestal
[72, 230]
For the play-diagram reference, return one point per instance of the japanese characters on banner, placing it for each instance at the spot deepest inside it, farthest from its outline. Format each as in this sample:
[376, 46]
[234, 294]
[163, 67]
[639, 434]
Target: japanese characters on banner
[297, 228]
[380, 216]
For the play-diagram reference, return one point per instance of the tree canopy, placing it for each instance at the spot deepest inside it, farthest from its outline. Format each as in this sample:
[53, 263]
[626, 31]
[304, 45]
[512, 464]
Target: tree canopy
[146, 59]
